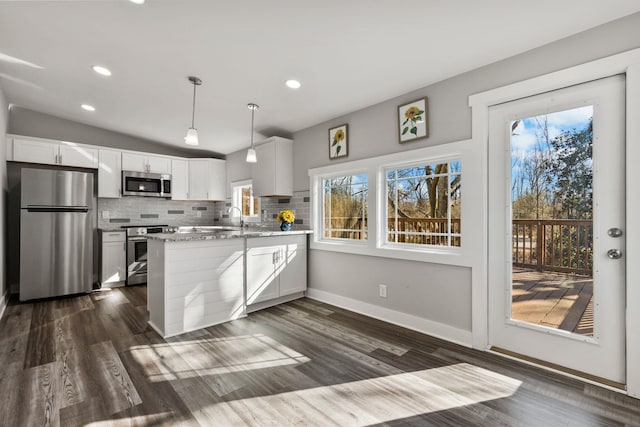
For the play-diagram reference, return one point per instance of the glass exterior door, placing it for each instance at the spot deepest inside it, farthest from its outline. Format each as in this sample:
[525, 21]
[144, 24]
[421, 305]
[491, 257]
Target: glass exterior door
[556, 273]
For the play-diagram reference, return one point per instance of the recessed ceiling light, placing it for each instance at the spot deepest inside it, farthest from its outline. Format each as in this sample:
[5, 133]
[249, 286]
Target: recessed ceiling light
[88, 107]
[101, 70]
[137, 1]
[293, 84]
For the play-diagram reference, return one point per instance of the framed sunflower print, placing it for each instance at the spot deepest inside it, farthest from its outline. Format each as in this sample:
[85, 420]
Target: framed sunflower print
[339, 141]
[413, 123]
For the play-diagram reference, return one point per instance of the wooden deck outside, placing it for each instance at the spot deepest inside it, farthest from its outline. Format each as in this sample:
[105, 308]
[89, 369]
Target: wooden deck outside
[555, 300]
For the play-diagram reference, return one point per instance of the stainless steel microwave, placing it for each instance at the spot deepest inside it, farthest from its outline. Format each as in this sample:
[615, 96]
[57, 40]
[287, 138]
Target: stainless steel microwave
[146, 184]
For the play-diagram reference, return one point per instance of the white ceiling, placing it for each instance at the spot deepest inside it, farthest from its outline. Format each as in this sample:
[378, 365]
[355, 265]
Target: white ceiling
[348, 54]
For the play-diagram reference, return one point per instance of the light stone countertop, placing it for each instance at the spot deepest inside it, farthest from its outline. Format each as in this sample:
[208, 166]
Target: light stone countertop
[213, 233]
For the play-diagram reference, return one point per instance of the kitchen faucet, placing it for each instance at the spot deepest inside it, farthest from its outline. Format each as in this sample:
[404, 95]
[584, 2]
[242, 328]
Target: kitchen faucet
[239, 211]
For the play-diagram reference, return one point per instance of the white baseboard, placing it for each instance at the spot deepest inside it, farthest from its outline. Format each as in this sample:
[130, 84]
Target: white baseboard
[409, 321]
[3, 303]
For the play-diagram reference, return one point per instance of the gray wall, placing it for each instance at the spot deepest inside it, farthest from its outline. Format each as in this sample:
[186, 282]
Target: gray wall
[33, 123]
[445, 296]
[4, 120]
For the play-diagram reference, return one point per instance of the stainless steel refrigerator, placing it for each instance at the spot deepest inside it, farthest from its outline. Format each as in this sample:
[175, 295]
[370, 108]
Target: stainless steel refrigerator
[57, 222]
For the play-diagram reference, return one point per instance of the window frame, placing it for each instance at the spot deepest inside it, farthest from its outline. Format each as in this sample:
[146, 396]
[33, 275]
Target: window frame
[375, 167]
[383, 224]
[322, 219]
[236, 200]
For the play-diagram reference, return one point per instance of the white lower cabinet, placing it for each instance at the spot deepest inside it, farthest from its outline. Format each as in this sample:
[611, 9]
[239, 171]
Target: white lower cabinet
[194, 284]
[113, 265]
[276, 267]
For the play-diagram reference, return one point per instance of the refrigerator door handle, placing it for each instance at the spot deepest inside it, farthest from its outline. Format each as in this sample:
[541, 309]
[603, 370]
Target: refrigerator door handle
[80, 209]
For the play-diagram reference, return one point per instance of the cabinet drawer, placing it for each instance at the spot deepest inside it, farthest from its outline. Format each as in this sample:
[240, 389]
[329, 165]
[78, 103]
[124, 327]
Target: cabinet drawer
[113, 236]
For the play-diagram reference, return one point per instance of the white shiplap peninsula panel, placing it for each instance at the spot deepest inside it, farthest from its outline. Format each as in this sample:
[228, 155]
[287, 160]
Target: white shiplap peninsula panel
[194, 284]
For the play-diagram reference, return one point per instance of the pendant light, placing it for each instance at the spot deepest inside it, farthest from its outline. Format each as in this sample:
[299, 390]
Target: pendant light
[251, 153]
[192, 132]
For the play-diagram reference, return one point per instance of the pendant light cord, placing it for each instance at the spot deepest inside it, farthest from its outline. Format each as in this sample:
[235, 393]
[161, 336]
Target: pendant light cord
[193, 109]
[253, 110]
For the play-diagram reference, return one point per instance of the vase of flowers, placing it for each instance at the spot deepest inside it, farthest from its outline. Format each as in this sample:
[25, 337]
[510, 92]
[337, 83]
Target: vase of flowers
[286, 218]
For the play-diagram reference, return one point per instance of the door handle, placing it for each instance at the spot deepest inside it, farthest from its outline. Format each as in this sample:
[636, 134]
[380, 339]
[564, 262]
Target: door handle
[614, 253]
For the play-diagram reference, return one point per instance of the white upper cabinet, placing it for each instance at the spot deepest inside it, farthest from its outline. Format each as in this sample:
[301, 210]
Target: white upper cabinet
[109, 173]
[273, 173]
[159, 164]
[207, 179]
[179, 179]
[54, 153]
[142, 162]
[35, 151]
[76, 155]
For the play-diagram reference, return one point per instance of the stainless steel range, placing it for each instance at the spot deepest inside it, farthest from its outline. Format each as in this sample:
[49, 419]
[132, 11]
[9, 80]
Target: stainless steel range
[137, 250]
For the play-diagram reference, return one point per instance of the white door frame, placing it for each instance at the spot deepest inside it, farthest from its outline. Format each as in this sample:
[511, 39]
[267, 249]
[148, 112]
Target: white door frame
[624, 63]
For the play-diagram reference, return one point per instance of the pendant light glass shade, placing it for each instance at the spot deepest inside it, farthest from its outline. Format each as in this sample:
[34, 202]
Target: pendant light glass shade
[192, 132]
[251, 153]
[192, 137]
[251, 156]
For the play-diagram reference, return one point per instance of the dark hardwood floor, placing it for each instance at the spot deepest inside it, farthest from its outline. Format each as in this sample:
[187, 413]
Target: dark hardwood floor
[92, 359]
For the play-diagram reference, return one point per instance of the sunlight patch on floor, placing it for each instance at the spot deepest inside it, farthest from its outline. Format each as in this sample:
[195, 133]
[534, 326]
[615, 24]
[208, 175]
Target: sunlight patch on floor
[372, 401]
[213, 356]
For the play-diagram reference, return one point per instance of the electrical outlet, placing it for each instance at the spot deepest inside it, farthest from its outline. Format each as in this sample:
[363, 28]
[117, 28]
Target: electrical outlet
[383, 291]
[105, 214]
[199, 214]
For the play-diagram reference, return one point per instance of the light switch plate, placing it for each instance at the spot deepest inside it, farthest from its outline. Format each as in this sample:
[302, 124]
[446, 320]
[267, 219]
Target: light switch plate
[105, 214]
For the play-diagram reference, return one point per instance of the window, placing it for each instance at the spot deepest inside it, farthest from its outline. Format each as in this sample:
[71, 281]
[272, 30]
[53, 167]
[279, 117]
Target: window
[345, 207]
[243, 199]
[405, 205]
[423, 204]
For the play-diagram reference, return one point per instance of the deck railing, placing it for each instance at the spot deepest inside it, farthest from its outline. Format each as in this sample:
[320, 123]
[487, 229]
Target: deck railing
[429, 231]
[562, 245]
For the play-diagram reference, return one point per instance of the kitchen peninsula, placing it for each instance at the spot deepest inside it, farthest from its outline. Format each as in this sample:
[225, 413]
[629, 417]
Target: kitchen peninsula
[203, 276]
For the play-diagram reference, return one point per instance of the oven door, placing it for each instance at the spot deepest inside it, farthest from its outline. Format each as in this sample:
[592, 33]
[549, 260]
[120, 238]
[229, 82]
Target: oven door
[136, 260]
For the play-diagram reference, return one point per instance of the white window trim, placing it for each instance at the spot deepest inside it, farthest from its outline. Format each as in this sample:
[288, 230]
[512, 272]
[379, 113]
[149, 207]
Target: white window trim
[320, 229]
[374, 167]
[234, 213]
[382, 197]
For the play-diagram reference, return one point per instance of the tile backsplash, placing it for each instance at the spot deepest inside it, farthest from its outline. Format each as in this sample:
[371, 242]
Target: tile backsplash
[150, 211]
[299, 203]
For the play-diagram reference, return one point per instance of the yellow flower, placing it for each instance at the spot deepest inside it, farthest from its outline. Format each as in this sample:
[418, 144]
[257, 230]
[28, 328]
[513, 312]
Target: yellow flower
[411, 112]
[339, 135]
[286, 216]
